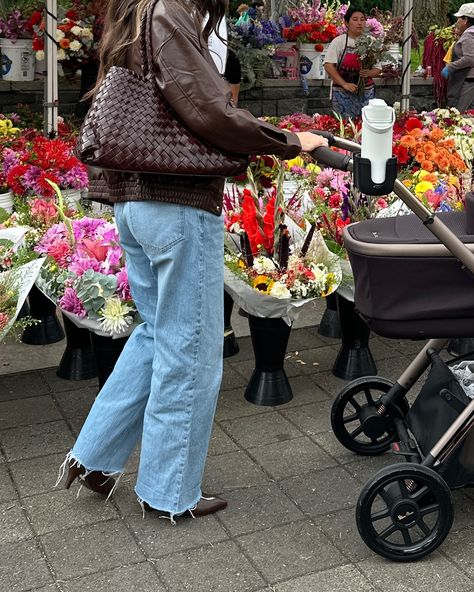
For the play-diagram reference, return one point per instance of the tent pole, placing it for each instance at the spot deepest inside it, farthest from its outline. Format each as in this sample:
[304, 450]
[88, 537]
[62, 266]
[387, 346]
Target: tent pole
[406, 54]
[51, 87]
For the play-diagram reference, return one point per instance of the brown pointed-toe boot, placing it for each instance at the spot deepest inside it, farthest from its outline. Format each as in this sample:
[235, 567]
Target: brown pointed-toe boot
[95, 481]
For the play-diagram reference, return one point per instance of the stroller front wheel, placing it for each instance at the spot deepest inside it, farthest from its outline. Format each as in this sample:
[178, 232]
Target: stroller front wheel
[404, 512]
[355, 419]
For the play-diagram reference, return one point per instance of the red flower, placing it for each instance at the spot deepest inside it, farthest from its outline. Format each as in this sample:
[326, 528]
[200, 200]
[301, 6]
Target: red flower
[402, 154]
[412, 123]
[250, 224]
[38, 43]
[14, 178]
[72, 14]
[269, 226]
[319, 47]
[45, 187]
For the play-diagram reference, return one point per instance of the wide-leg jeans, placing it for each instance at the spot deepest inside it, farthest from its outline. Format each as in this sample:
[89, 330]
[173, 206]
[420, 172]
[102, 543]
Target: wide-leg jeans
[164, 387]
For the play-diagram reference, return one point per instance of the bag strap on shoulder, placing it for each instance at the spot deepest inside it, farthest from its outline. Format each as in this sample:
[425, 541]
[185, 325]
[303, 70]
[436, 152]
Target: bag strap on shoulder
[145, 38]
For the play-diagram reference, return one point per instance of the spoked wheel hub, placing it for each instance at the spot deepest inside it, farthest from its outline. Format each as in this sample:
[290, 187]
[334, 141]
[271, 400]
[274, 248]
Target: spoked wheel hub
[357, 419]
[405, 512]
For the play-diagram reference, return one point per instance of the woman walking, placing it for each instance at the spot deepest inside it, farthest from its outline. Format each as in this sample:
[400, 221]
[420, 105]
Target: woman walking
[163, 390]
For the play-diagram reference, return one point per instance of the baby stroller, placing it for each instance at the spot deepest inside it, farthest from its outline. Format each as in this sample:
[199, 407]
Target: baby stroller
[413, 280]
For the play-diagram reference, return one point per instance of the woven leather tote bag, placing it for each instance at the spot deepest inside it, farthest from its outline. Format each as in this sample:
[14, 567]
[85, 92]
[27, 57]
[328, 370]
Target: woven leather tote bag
[130, 127]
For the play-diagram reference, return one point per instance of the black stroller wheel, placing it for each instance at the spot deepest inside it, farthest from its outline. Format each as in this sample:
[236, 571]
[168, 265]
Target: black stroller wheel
[404, 512]
[355, 420]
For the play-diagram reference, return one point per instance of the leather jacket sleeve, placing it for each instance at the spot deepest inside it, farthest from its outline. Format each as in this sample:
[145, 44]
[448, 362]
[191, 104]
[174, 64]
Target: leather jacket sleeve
[191, 84]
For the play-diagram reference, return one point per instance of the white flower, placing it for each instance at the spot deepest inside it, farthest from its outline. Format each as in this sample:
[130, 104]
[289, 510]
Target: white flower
[263, 264]
[40, 55]
[86, 34]
[61, 56]
[76, 31]
[279, 290]
[75, 45]
[59, 35]
[115, 318]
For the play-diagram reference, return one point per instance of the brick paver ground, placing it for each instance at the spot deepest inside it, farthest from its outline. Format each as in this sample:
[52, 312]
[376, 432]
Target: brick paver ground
[291, 487]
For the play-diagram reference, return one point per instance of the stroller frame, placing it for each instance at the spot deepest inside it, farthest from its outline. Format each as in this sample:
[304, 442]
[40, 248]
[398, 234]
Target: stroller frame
[413, 489]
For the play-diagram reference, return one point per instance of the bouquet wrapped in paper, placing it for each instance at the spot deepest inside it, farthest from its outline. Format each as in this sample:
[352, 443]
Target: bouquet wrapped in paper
[272, 267]
[85, 275]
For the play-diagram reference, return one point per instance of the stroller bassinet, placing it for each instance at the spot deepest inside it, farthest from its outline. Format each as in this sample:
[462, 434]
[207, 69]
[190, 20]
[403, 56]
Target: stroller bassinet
[407, 283]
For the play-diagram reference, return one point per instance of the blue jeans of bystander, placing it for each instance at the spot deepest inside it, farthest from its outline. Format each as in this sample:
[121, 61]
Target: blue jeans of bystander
[164, 387]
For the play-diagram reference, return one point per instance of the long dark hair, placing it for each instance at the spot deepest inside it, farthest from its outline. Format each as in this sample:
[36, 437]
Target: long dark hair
[122, 28]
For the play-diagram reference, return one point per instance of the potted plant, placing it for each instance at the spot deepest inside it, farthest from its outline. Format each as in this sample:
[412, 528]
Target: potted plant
[17, 18]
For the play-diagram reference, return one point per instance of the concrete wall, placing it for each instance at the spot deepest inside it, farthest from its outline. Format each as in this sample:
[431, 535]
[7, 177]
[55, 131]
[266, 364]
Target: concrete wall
[273, 97]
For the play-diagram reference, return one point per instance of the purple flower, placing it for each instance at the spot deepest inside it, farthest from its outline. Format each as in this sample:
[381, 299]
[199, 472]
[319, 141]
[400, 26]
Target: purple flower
[87, 228]
[57, 233]
[123, 287]
[80, 264]
[76, 178]
[30, 179]
[10, 159]
[71, 303]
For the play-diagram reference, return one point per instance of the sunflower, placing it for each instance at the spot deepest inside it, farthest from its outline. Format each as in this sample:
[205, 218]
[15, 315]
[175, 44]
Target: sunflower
[263, 283]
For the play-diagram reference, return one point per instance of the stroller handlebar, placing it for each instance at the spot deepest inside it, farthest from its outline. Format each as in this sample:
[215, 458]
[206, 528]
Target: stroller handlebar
[335, 160]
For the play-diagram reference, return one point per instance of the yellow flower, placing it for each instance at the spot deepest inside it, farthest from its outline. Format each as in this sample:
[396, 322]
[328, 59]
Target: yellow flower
[6, 128]
[422, 187]
[313, 168]
[298, 162]
[263, 283]
[241, 264]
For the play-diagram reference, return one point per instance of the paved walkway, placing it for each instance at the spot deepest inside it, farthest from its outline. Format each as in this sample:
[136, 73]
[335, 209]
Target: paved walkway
[291, 487]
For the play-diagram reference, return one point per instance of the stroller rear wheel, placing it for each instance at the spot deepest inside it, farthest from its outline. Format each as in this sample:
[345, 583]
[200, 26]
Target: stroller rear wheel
[355, 419]
[404, 512]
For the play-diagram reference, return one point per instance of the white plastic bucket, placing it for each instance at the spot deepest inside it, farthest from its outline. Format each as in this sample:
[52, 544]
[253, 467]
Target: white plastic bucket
[312, 61]
[6, 201]
[17, 60]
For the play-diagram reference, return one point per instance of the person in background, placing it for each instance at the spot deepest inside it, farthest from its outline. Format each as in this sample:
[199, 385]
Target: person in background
[163, 390]
[460, 70]
[233, 74]
[343, 67]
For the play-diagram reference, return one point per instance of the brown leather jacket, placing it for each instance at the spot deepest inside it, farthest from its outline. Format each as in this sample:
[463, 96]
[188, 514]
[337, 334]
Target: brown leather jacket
[190, 82]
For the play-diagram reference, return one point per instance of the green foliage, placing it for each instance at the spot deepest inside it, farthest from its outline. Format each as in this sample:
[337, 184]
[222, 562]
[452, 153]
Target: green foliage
[94, 288]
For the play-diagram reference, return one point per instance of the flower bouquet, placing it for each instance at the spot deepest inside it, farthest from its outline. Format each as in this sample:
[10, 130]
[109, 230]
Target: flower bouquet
[370, 49]
[29, 169]
[19, 267]
[85, 274]
[75, 38]
[270, 272]
[429, 148]
[254, 43]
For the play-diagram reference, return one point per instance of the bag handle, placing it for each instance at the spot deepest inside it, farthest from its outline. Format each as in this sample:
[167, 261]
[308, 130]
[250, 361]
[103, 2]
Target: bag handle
[145, 39]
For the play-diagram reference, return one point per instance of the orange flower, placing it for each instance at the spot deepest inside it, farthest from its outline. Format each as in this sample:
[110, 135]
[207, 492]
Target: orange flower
[436, 134]
[408, 142]
[443, 163]
[416, 133]
[64, 43]
[427, 165]
[420, 156]
[430, 178]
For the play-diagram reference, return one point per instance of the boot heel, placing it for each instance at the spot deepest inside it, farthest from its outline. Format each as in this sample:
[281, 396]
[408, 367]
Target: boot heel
[72, 475]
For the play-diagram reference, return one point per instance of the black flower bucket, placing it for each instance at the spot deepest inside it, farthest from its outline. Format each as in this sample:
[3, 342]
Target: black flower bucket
[78, 360]
[269, 384]
[48, 330]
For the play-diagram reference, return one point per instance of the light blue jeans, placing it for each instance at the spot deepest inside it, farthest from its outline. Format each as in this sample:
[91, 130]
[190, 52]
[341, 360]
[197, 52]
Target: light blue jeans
[164, 387]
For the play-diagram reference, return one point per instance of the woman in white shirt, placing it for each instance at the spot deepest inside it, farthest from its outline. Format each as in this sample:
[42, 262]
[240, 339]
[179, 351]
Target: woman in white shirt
[343, 66]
